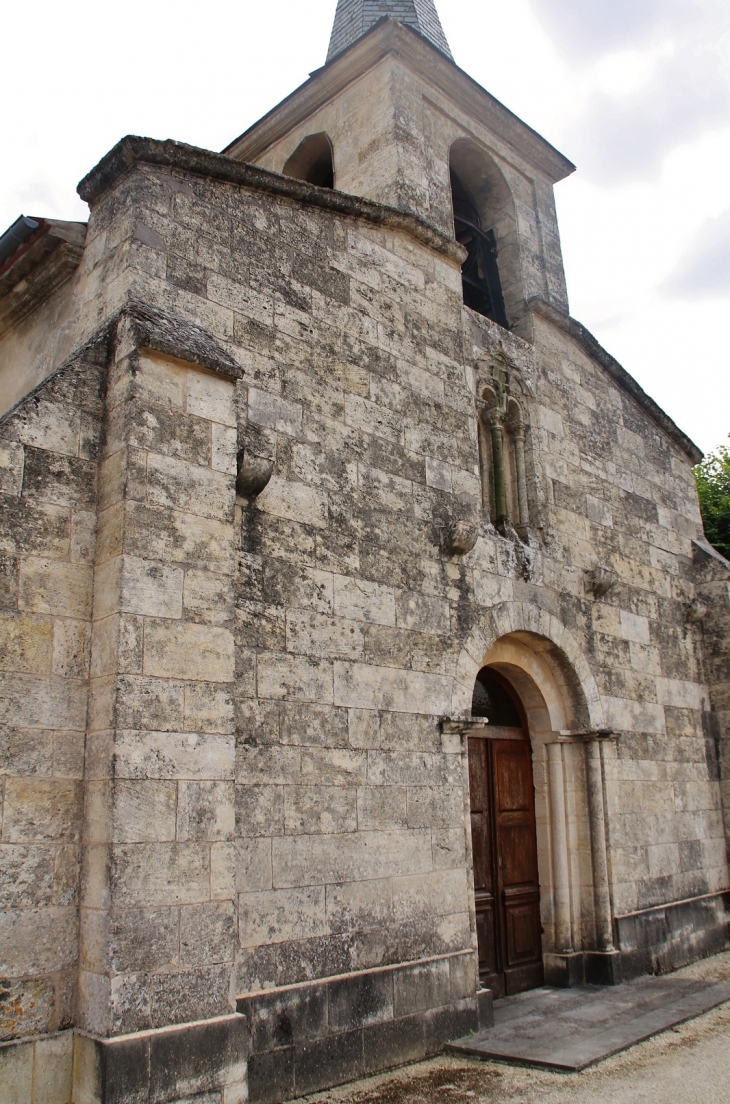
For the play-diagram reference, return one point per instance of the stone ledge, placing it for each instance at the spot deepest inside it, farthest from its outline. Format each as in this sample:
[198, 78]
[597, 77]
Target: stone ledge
[314, 1035]
[164, 1065]
[134, 150]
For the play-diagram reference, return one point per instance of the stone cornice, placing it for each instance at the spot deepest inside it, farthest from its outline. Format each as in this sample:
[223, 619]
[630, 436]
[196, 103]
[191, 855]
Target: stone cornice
[389, 37]
[596, 352]
[133, 151]
[43, 266]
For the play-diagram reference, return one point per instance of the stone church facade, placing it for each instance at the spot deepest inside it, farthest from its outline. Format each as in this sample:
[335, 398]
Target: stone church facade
[362, 656]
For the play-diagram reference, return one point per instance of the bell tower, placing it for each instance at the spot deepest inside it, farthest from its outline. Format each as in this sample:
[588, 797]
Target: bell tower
[391, 118]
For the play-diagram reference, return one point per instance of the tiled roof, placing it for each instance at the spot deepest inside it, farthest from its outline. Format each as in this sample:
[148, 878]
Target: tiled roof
[354, 18]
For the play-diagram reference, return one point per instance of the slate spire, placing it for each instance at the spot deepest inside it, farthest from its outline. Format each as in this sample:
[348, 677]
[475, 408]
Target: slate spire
[354, 17]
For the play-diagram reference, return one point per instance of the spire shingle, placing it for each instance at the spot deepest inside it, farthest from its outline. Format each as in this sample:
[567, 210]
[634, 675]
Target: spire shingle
[354, 17]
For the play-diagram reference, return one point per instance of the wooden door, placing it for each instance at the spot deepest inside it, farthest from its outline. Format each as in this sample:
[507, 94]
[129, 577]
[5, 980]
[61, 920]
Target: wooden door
[504, 842]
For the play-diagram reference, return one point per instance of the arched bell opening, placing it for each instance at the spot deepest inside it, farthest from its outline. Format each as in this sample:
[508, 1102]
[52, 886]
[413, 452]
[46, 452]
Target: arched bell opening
[535, 819]
[313, 161]
[485, 223]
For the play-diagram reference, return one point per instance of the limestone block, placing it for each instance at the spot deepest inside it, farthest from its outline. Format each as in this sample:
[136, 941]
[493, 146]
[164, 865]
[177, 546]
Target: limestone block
[207, 933]
[64, 480]
[208, 708]
[208, 597]
[26, 643]
[205, 811]
[142, 940]
[634, 627]
[41, 809]
[294, 678]
[435, 807]
[448, 847]
[11, 467]
[146, 587]
[299, 587]
[198, 652]
[281, 915]
[158, 379]
[294, 502]
[51, 426]
[252, 304]
[144, 811]
[210, 397]
[259, 810]
[381, 808]
[34, 942]
[681, 693]
[313, 725]
[354, 906]
[251, 864]
[267, 765]
[363, 728]
[441, 893]
[321, 860]
[623, 715]
[422, 613]
[52, 1074]
[143, 754]
[438, 474]
[311, 810]
[26, 875]
[224, 449]
[373, 418]
[362, 600]
[273, 412]
[150, 702]
[361, 686]
[51, 586]
[315, 634]
[333, 766]
[172, 536]
[172, 482]
[71, 648]
[155, 874]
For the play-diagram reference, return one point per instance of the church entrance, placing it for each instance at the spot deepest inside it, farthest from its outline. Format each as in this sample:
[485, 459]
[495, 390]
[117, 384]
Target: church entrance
[504, 841]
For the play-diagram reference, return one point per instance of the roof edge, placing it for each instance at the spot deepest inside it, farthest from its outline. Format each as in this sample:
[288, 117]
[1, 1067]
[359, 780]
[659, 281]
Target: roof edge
[618, 373]
[134, 150]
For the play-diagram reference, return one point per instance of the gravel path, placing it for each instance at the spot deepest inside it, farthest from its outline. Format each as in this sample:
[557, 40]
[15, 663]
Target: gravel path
[686, 1065]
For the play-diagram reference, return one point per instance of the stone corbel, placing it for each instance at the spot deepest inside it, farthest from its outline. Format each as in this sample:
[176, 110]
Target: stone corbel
[459, 537]
[697, 611]
[254, 473]
[599, 580]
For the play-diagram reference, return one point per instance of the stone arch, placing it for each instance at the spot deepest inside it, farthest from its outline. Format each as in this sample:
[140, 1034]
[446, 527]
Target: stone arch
[547, 638]
[313, 161]
[542, 661]
[480, 176]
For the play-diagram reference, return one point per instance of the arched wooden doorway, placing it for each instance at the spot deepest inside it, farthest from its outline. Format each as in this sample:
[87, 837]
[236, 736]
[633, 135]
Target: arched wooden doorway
[504, 840]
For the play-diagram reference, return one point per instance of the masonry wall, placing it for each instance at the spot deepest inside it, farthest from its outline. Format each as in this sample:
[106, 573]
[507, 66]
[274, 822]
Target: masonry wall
[49, 452]
[269, 799]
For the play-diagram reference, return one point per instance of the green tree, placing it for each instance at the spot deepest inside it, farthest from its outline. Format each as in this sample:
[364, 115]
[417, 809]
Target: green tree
[712, 477]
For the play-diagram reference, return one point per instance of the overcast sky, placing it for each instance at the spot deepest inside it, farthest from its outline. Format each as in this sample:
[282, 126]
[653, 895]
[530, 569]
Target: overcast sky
[635, 92]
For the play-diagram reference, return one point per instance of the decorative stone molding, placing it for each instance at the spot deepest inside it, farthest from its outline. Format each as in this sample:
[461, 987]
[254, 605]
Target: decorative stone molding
[254, 473]
[459, 537]
[599, 580]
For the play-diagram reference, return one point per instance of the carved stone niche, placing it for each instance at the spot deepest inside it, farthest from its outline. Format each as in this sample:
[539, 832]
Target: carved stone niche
[599, 580]
[254, 473]
[459, 537]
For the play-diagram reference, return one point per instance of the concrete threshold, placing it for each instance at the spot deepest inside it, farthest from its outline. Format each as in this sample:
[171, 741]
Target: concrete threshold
[571, 1029]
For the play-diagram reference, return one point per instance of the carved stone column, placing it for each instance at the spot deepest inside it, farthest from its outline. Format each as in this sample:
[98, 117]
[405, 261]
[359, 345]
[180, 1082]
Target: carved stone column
[517, 430]
[559, 838]
[597, 817]
[501, 517]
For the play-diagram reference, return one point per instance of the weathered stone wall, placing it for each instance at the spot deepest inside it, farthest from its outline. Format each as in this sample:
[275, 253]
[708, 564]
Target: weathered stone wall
[269, 799]
[49, 451]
